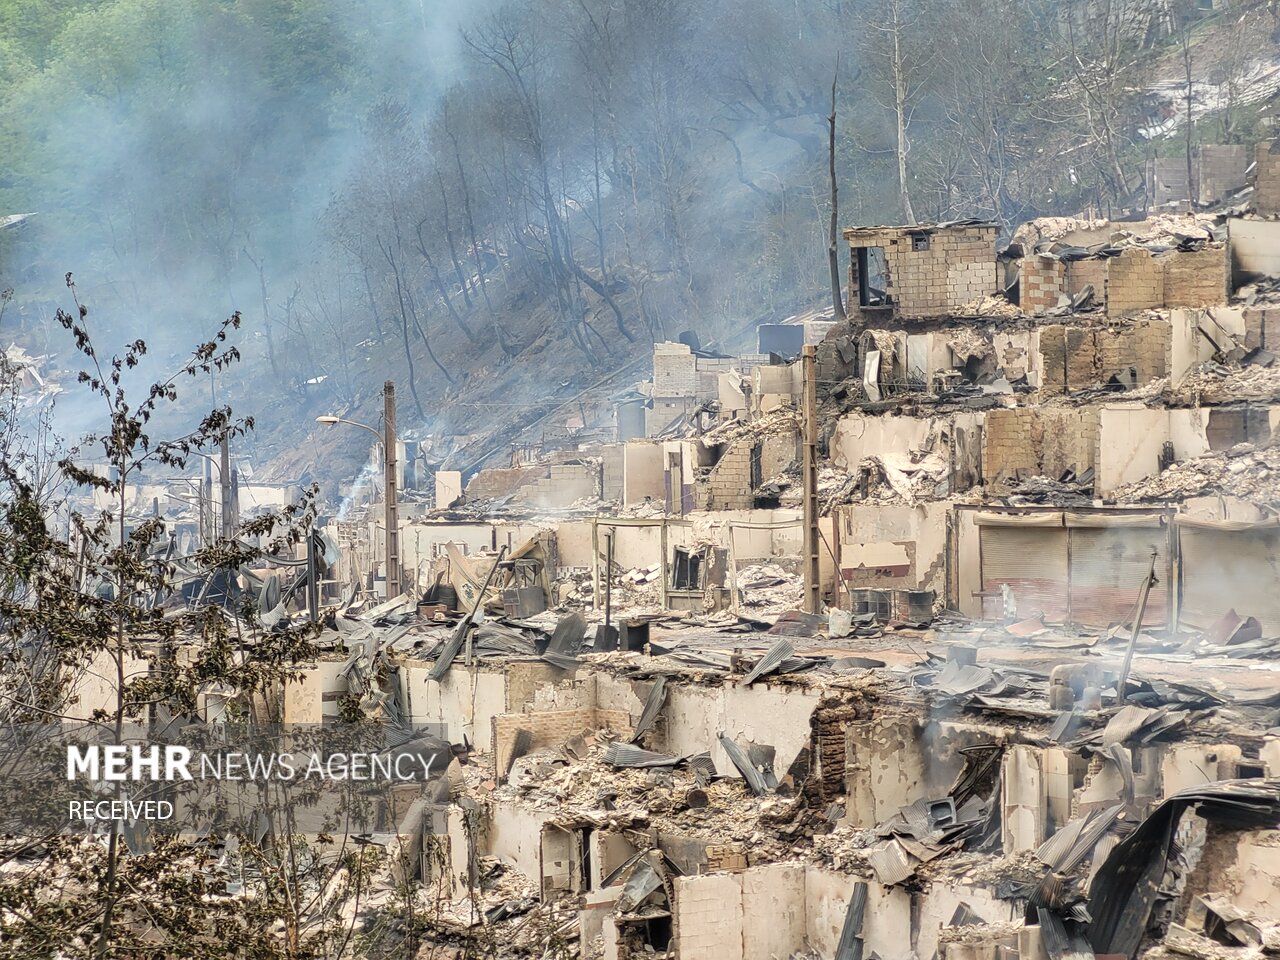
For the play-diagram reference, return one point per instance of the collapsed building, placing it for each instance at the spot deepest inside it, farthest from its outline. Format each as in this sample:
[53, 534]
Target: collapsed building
[1038, 715]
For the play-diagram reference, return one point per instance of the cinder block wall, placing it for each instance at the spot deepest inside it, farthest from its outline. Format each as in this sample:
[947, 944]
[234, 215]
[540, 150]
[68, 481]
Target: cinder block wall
[1266, 179]
[1046, 441]
[958, 266]
[728, 485]
[1144, 347]
[1262, 327]
[1220, 170]
[1041, 282]
[489, 484]
[1198, 279]
[675, 370]
[1135, 281]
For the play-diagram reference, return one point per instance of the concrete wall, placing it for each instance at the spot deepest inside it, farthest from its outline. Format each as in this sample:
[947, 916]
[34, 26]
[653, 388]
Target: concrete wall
[464, 701]
[513, 834]
[1255, 247]
[877, 541]
[1131, 436]
[778, 910]
[762, 713]
[643, 466]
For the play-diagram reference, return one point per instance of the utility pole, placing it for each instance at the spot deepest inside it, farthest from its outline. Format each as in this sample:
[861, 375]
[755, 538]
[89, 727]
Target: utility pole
[809, 478]
[390, 489]
[224, 482]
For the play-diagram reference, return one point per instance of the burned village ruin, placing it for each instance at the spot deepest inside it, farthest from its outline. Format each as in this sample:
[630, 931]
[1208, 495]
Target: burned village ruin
[936, 618]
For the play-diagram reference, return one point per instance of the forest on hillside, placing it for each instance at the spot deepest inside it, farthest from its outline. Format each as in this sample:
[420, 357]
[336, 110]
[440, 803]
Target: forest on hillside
[409, 181]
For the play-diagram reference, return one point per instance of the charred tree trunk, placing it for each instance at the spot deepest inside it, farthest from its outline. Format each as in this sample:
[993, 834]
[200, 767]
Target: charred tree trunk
[833, 249]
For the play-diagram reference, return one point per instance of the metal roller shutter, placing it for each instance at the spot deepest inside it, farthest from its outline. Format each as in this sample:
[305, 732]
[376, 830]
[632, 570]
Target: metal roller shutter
[1033, 562]
[1107, 567]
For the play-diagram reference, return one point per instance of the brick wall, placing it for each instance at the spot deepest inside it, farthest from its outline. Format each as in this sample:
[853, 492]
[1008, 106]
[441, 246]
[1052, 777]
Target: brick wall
[728, 485]
[1198, 279]
[1135, 281]
[1266, 179]
[1143, 347]
[957, 267]
[1041, 282]
[1075, 358]
[549, 729]
[1044, 442]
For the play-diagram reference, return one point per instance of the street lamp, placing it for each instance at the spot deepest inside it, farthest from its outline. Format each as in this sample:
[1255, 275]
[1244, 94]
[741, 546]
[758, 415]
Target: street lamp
[389, 466]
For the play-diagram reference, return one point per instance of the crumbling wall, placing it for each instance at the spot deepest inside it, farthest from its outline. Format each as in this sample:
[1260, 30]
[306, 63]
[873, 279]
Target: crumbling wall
[1262, 328]
[501, 481]
[956, 266]
[1075, 358]
[860, 435]
[463, 702]
[894, 546]
[1220, 170]
[1200, 278]
[1131, 439]
[728, 485]
[1026, 441]
[1266, 178]
[1135, 281]
[549, 729]
[778, 451]
[1142, 347]
[695, 716]
[566, 483]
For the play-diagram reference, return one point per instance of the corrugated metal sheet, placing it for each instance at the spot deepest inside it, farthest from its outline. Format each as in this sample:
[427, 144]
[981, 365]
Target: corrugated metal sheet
[1033, 562]
[1107, 568]
[1224, 570]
